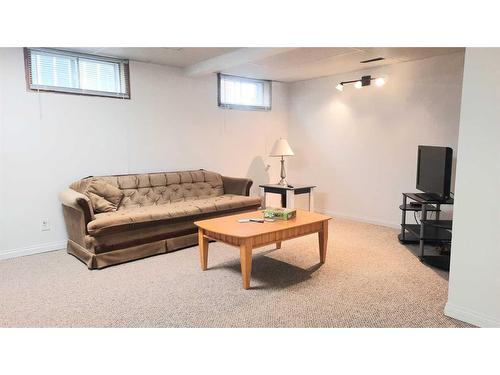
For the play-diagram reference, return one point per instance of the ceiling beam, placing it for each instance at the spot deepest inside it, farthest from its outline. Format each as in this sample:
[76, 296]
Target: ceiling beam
[231, 59]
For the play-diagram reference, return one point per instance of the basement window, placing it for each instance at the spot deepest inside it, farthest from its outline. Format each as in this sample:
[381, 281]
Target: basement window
[54, 70]
[243, 93]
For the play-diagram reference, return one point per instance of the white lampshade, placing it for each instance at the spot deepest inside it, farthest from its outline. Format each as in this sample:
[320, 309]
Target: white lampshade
[281, 148]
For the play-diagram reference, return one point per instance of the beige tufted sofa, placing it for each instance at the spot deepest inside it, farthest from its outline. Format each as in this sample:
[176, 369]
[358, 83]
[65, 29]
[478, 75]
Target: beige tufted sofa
[155, 214]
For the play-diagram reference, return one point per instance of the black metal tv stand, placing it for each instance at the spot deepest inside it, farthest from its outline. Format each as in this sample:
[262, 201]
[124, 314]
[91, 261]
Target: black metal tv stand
[428, 232]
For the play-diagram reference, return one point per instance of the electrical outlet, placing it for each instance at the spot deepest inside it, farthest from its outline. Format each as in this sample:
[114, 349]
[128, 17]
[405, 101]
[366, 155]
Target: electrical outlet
[45, 225]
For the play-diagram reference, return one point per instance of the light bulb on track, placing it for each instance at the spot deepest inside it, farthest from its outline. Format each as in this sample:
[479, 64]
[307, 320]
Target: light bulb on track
[379, 82]
[340, 87]
[358, 84]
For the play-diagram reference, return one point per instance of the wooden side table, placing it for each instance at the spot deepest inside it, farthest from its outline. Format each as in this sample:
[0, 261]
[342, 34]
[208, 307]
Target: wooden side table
[288, 194]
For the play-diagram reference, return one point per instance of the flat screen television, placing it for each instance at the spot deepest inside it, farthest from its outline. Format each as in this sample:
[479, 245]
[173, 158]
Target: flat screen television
[434, 171]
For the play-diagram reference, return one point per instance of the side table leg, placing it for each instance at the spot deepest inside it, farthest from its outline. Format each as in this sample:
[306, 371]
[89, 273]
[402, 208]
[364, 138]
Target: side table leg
[263, 196]
[311, 200]
[283, 199]
[203, 244]
[290, 199]
[246, 262]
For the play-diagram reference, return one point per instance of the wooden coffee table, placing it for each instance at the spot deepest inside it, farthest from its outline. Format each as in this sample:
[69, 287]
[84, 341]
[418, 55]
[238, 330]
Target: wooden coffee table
[248, 236]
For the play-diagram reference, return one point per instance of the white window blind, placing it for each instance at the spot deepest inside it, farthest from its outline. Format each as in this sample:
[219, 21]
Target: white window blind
[70, 72]
[244, 93]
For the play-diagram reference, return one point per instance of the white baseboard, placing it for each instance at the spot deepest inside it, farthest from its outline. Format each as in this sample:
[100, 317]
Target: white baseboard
[469, 316]
[362, 219]
[30, 250]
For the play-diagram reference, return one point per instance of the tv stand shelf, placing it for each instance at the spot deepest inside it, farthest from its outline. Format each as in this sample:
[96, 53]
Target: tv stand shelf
[427, 232]
[419, 197]
[410, 207]
[431, 233]
[439, 224]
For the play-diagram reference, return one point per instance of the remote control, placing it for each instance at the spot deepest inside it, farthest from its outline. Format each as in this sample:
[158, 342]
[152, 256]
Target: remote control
[253, 220]
[257, 220]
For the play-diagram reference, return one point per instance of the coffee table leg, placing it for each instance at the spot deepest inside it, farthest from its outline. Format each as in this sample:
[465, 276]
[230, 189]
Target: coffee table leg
[278, 245]
[323, 241]
[203, 244]
[246, 262]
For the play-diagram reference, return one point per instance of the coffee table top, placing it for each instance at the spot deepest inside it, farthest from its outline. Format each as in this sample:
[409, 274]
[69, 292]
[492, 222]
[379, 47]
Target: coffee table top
[230, 226]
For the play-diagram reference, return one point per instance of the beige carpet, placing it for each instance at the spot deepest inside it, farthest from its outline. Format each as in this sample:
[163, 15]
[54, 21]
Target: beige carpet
[368, 280]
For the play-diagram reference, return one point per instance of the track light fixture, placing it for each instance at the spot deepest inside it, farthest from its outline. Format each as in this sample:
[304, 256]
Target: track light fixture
[364, 81]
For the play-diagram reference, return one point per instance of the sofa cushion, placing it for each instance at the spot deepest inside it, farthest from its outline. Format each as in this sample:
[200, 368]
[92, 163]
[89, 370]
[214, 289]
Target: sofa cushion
[189, 210]
[104, 197]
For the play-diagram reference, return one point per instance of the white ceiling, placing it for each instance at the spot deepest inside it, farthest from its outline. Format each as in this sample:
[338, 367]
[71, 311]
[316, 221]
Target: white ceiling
[306, 63]
[279, 64]
[179, 57]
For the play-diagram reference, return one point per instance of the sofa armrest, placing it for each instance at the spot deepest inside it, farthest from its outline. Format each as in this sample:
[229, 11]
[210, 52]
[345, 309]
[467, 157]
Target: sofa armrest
[78, 201]
[238, 186]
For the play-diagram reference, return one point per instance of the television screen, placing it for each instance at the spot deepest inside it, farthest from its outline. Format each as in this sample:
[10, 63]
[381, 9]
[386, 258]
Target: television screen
[434, 170]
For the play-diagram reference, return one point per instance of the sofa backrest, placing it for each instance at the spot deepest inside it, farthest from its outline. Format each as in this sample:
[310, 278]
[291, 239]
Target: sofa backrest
[159, 188]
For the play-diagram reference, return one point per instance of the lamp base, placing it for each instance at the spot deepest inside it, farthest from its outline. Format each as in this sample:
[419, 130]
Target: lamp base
[283, 182]
[283, 173]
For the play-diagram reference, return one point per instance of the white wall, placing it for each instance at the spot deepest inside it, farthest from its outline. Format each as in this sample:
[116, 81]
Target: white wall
[474, 287]
[360, 146]
[171, 123]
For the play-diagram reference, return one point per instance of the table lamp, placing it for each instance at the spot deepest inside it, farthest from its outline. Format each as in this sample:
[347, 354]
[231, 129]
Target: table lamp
[281, 148]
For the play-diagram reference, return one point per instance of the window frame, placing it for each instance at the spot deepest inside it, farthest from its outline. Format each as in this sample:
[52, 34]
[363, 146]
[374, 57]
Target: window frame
[31, 87]
[244, 107]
